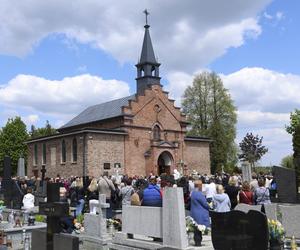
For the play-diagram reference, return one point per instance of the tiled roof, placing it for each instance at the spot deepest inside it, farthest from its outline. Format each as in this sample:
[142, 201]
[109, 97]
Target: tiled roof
[99, 112]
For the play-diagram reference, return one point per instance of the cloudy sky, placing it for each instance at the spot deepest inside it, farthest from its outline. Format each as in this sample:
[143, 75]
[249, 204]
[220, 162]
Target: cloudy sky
[57, 57]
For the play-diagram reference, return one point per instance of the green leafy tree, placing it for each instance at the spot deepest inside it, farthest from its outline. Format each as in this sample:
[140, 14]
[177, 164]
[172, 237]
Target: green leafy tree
[44, 131]
[252, 149]
[210, 112]
[287, 161]
[12, 141]
[294, 130]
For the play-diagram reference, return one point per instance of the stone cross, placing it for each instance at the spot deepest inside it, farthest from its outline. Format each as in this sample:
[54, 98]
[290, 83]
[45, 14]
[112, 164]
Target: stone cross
[95, 224]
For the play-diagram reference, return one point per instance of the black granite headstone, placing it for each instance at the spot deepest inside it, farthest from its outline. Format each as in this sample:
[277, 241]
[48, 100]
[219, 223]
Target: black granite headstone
[286, 184]
[236, 230]
[54, 209]
[13, 195]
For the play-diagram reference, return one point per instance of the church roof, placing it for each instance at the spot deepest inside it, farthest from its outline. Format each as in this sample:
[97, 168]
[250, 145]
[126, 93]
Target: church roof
[99, 112]
[147, 54]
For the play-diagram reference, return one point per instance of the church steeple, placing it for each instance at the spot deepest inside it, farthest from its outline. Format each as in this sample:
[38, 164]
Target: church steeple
[147, 67]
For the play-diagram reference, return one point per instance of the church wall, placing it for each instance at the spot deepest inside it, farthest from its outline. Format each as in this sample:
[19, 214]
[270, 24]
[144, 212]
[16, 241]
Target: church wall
[104, 148]
[53, 164]
[197, 156]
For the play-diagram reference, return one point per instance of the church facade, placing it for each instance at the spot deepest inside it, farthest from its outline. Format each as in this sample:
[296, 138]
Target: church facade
[141, 134]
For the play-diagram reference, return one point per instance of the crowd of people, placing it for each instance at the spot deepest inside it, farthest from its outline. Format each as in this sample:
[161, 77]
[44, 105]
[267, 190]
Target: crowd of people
[220, 192]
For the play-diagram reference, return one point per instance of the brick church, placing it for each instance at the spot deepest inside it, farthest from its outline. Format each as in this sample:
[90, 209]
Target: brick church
[136, 135]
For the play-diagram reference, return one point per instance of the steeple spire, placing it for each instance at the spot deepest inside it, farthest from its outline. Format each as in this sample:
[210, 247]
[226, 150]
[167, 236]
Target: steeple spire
[147, 67]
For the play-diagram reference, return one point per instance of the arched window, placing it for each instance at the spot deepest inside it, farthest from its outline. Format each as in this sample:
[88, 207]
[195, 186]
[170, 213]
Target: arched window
[74, 150]
[35, 158]
[44, 154]
[63, 151]
[156, 133]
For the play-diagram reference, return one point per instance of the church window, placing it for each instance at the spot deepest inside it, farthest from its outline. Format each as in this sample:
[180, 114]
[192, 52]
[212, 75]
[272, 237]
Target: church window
[74, 150]
[156, 133]
[44, 154]
[35, 158]
[63, 151]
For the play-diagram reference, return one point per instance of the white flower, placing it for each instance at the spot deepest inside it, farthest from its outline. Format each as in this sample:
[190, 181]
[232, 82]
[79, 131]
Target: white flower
[201, 228]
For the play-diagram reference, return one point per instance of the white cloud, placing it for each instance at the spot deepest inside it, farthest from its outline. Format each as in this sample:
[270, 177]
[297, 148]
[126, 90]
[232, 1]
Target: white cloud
[65, 97]
[267, 16]
[279, 15]
[31, 119]
[116, 27]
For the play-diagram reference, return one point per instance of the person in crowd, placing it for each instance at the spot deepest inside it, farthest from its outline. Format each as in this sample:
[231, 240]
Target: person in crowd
[210, 190]
[93, 196]
[262, 194]
[199, 206]
[191, 184]
[232, 190]
[245, 194]
[79, 191]
[221, 200]
[152, 195]
[28, 200]
[92, 190]
[254, 182]
[126, 192]
[105, 186]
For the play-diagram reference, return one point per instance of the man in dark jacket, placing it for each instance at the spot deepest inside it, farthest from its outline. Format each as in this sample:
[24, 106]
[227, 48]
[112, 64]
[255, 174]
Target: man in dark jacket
[152, 195]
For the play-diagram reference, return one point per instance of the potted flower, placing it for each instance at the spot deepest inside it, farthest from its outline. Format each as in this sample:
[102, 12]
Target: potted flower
[193, 228]
[276, 233]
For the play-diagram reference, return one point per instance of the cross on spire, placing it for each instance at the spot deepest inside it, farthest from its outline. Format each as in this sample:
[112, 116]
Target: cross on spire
[146, 14]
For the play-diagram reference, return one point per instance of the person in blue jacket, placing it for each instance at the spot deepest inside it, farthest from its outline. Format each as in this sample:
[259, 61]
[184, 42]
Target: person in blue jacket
[152, 194]
[199, 206]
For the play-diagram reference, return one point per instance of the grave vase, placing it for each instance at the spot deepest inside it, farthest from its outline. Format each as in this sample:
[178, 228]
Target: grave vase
[191, 238]
[276, 245]
[197, 237]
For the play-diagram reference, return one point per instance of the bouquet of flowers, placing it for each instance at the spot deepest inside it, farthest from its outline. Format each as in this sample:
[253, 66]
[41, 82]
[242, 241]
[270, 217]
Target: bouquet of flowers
[192, 226]
[276, 231]
[116, 223]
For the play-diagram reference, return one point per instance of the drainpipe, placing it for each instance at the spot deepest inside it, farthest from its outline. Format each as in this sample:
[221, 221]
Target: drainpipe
[84, 155]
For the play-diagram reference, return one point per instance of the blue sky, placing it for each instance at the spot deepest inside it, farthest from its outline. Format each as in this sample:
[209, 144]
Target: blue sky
[54, 65]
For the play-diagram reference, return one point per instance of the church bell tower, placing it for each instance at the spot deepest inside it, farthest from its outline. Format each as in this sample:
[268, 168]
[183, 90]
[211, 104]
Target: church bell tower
[147, 67]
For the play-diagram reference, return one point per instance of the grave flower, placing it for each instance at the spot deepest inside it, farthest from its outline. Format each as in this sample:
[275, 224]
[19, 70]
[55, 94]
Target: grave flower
[276, 231]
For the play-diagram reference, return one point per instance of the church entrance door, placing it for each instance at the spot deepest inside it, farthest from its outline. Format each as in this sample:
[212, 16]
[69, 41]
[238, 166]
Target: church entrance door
[164, 163]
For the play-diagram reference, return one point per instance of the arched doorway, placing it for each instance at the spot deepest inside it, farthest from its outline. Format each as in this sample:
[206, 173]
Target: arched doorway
[164, 163]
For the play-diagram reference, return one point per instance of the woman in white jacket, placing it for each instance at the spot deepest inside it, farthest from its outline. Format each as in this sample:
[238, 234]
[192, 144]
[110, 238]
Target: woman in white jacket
[221, 200]
[28, 199]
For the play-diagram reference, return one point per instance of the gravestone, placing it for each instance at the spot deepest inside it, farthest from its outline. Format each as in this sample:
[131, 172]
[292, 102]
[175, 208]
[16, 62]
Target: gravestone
[11, 190]
[236, 230]
[21, 167]
[65, 242]
[246, 208]
[95, 226]
[286, 184]
[54, 210]
[271, 211]
[290, 219]
[174, 233]
[246, 171]
[166, 223]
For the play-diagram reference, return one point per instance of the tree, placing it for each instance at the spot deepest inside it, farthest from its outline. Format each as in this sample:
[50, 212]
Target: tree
[210, 112]
[44, 131]
[12, 141]
[287, 162]
[294, 130]
[252, 149]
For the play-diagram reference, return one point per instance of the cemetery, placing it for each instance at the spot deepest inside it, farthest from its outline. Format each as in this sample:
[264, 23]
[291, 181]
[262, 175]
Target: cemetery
[138, 173]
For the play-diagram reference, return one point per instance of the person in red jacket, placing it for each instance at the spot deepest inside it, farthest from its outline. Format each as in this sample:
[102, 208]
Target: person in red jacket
[245, 195]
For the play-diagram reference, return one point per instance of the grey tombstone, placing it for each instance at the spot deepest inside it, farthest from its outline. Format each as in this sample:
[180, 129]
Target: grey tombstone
[95, 235]
[21, 167]
[290, 219]
[38, 239]
[174, 227]
[246, 171]
[65, 242]
[271, 211]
